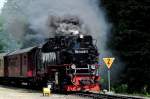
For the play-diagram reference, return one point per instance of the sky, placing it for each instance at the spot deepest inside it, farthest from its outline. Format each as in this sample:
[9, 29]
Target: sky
[1, 4]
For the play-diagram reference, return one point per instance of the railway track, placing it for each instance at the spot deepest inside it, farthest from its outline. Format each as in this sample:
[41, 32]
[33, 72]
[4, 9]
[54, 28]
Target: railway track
[107, 96]
[85, 95]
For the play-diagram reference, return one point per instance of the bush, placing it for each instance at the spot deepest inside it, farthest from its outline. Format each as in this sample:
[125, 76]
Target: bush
[123, 88]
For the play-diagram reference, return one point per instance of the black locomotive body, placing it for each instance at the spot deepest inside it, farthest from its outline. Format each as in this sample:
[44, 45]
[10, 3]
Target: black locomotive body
[69, 63]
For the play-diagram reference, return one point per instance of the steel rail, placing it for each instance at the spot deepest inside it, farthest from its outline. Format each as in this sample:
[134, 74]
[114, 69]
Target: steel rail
[107, 96]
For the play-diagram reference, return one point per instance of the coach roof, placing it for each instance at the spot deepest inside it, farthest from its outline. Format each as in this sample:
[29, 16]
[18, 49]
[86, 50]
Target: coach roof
[3, 54]
[21, 51]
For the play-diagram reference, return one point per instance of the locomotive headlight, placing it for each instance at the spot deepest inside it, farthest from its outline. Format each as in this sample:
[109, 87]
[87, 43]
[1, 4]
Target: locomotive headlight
[73, 66]
[93, 67]
[81, 36]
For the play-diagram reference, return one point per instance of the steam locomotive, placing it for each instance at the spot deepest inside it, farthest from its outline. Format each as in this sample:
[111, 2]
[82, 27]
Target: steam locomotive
[68, 63]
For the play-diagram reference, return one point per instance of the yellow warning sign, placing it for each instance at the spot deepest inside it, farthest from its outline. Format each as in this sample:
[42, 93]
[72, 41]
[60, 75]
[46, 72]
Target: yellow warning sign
[108, 61]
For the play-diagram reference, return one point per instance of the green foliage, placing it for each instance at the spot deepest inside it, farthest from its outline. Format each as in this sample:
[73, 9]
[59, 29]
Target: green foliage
[123, 88]
[102, 81]
[2, 42]
[1, 24]
[131, 34]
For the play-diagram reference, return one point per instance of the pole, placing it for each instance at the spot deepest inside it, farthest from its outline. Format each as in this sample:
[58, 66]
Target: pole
[109, 80]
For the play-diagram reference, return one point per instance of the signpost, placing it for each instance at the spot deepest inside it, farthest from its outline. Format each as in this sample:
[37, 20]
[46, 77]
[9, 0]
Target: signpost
[108, 62]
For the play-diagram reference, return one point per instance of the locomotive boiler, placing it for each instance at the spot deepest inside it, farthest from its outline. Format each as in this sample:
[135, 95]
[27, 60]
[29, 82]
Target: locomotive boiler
[68, 62]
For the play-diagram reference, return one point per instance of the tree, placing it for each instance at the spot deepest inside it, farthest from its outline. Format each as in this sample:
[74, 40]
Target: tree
[1, 40]
[131, 34]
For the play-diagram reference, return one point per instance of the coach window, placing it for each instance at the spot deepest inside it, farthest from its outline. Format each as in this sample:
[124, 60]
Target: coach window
[25, 60]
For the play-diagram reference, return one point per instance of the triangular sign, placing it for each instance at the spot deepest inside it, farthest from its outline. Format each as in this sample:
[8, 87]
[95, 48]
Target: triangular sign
[108, 61]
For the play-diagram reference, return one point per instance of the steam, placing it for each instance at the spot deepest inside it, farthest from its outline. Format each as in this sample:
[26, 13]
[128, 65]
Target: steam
[2, 2]
[31, 21]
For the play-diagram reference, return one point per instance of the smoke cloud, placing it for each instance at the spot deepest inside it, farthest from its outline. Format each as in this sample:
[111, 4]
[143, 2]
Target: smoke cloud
[31, 21]
[31, 18]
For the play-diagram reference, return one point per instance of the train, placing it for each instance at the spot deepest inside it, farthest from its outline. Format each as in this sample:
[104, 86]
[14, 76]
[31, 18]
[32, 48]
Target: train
[68, 62]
